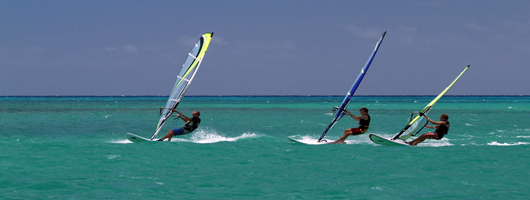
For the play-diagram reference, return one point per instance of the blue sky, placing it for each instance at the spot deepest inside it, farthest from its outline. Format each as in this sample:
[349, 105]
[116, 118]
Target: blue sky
[264, 47]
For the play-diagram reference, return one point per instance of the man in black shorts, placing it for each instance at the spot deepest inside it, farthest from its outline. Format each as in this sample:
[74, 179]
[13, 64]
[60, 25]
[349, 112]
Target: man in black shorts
[441, 130]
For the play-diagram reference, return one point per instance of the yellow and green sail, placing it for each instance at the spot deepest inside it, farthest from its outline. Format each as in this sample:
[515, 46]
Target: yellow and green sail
[410, 129]
[184, 78]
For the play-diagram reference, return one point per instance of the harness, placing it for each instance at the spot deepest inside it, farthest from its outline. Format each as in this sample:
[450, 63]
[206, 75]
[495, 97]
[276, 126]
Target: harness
[192, 124]
[442, 130]
[364, 124]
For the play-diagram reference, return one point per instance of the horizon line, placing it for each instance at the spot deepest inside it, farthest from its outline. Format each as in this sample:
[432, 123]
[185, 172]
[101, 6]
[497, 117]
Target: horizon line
[5, 96]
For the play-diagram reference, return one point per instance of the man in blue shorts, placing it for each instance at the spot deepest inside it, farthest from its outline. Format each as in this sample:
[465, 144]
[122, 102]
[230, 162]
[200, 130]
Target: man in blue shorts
[190, 126]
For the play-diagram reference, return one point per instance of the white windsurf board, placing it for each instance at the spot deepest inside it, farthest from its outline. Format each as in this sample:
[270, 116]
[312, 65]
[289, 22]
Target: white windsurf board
[135, 138]
[309, 141]
[387, 142]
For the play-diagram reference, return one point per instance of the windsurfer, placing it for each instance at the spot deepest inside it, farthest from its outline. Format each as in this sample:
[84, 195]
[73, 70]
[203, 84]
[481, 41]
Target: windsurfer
[364, 123]
[190, 126]
[441, 130]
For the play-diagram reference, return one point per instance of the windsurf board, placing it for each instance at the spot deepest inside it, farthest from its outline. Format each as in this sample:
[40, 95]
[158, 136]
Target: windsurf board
[308, 141]
[387, 142]
[135, 138]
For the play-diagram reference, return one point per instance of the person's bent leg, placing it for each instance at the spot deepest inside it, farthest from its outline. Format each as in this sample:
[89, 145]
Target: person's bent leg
[175, 132]
[347, 132]
[419, 139]
[169, 135]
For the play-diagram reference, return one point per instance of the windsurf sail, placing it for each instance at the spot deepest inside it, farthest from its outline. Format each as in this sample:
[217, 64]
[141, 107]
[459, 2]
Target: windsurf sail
[410, 129]
[340, 111]
[184, 78]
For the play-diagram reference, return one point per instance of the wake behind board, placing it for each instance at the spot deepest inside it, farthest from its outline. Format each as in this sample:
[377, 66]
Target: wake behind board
[309, 141]
[387, 142]
[135, 138]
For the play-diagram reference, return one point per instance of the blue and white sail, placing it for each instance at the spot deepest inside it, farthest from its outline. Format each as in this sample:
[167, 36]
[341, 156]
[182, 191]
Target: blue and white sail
[184, 78]
[340, 111]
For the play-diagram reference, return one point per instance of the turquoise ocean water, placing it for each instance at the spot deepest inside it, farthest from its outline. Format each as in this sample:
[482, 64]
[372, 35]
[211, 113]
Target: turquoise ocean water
[74, 148]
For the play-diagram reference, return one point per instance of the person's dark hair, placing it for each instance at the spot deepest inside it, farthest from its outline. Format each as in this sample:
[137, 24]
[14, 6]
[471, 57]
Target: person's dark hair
[364, 109]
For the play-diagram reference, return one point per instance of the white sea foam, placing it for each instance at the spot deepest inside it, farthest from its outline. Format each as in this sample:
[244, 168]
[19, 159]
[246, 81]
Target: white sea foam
[210, 136]
[110, 157]
[495, 143]
[436, 143]
[312, 140]
[200, 136]
[120, 141]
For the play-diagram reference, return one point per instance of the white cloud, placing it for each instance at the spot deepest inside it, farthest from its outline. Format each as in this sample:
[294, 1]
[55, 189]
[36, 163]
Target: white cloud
[476, 27]
[129, 48]
[362, 33]
[408, 29]
[219, 40]
[187, 40]
[126, 48]
[110, 49]
[267, 45]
